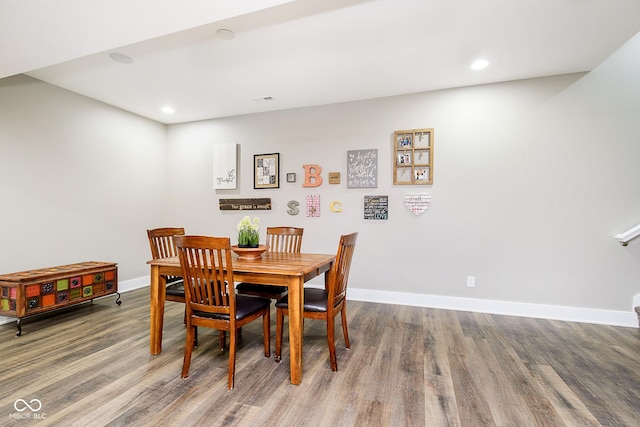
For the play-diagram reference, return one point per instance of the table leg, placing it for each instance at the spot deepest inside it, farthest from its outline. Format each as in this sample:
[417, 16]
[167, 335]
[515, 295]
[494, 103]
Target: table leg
[296, 325]
[156, 309]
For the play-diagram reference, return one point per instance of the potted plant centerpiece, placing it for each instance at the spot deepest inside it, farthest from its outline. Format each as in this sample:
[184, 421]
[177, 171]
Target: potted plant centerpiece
[249, 232]
[249, 246]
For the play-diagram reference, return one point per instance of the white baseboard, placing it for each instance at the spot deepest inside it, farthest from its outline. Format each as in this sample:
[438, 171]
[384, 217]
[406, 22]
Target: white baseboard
[133, 284]
[540, 311]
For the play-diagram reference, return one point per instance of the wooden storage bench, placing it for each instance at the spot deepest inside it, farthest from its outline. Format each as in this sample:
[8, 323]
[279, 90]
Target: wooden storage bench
[32, 292]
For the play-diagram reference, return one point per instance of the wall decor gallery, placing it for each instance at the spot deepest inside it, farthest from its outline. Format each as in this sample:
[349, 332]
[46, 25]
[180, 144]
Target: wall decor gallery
[412, 160]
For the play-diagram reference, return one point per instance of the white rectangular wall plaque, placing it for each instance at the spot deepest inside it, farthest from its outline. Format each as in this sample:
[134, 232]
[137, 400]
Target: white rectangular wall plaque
[225, 166]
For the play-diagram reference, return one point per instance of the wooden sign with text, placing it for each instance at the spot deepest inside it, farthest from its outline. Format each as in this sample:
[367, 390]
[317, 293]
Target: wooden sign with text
[263, 204]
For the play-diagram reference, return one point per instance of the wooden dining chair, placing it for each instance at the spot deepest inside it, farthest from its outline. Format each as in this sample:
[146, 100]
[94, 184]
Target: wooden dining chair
[325, 304]
[163, 246]
[279, 239]
[207, 269]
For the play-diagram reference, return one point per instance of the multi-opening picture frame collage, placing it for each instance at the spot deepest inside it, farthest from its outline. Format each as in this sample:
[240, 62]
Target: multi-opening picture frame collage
[413, 156]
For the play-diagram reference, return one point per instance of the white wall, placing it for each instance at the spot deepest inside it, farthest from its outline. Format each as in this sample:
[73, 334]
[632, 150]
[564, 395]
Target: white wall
[532, 180]
[80, 180]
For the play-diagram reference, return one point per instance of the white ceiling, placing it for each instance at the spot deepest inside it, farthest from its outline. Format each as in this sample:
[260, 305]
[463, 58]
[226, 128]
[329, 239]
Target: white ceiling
[300, 52]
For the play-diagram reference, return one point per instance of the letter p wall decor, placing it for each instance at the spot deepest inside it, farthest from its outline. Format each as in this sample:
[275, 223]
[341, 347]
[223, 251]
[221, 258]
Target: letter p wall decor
[225, 166]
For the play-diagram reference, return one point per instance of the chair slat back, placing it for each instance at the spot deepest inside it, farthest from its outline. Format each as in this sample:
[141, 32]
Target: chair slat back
[203, 260]
[284, 239]
[339, 275]
[161, 241]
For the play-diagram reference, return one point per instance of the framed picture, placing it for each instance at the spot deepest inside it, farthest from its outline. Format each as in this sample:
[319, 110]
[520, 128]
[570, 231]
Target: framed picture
[266, 172]
[291, 177]
[422, 174]
[404, 157]
[404, 140]
[413, 150]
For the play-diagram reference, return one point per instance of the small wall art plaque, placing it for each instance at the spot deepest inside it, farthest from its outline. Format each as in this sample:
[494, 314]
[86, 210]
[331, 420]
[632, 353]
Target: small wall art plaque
[313, 205]
[417, 203]
[376, 207]
[362, 168]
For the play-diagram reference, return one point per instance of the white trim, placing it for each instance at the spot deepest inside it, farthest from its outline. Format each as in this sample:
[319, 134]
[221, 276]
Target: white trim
[508, 308]
[133, 284]
[628, 235]
[540, 311]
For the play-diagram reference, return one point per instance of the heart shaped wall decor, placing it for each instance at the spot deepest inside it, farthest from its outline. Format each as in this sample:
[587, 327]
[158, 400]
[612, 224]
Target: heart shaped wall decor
[417, 203]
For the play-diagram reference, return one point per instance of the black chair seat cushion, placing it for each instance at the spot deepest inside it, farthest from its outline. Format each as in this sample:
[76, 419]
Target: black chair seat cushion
[245, 306]
[314, 300]
[253, 288]
[175, 286]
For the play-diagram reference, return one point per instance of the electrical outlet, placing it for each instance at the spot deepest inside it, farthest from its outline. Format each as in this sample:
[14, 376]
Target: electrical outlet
[471, 281]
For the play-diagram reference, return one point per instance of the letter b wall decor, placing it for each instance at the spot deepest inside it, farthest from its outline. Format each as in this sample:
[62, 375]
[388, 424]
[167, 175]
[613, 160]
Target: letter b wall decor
[312, 176]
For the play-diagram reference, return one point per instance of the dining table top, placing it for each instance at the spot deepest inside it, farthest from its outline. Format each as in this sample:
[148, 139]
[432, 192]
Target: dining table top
[272, 262]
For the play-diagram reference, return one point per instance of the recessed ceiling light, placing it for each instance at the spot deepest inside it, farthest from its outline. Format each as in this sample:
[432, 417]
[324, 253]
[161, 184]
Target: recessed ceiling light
[168, 110]
[225, 34]
[121, 58]
[480, 64]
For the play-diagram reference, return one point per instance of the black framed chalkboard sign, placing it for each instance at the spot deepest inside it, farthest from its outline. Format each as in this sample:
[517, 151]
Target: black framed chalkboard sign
[413, 156]
[376, 207]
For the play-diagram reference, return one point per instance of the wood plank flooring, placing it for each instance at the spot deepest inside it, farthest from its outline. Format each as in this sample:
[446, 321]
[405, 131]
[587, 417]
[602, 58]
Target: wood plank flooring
[408, 366]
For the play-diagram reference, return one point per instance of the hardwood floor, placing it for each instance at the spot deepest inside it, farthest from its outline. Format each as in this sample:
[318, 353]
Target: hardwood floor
[408, 366]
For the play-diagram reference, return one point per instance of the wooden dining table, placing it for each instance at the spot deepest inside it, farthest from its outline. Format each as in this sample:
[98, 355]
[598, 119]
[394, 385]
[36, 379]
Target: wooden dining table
[277, 269]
